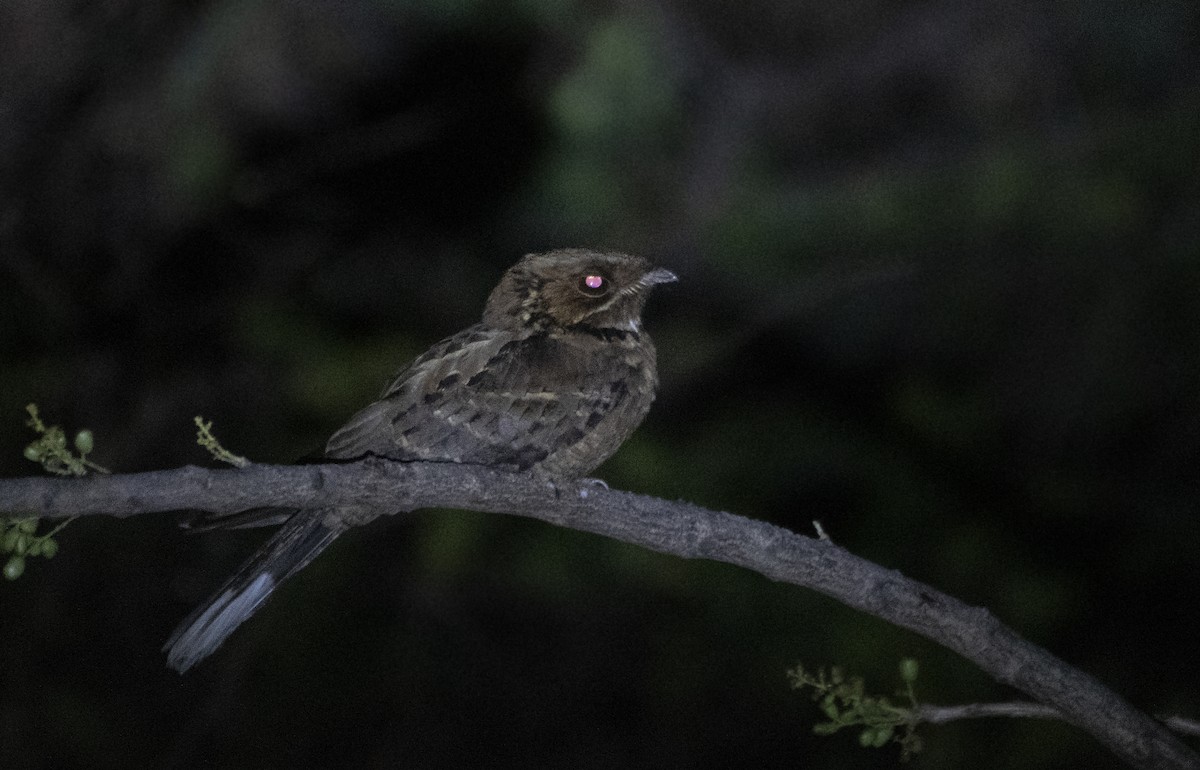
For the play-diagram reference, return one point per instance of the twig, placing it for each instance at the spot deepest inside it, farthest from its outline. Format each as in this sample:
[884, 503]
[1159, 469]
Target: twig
[940, 715]
[1182, 725]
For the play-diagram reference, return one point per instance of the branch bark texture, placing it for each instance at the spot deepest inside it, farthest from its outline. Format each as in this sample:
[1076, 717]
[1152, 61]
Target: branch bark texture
[677, 528]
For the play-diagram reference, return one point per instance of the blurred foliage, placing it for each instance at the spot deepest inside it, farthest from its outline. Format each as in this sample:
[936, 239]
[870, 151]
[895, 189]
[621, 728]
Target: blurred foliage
[939, 269]
[844, 702]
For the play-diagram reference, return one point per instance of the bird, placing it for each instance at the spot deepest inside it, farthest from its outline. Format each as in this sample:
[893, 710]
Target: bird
[552, 380]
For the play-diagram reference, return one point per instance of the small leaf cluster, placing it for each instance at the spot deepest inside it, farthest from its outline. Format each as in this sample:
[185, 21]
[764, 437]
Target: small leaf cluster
[844, 701]
[19, 538]
[50, 448]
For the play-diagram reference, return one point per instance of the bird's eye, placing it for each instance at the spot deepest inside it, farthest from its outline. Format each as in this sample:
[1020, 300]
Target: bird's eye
[594, 285]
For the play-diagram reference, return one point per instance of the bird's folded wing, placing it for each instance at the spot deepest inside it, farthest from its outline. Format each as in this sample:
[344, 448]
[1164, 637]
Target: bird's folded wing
[487, 398]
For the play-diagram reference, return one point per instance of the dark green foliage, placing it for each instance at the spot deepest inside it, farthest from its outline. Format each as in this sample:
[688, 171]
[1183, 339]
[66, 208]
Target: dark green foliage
[844, 702]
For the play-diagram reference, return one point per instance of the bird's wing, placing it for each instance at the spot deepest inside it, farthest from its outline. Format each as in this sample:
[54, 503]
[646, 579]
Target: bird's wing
[488, 397]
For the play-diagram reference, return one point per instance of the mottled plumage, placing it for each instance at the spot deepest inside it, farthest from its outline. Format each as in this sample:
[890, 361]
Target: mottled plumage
[553, 380]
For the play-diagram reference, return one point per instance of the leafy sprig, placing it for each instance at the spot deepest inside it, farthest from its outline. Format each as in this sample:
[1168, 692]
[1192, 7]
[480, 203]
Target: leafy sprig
[50, 448]
[206, 439]
[18, 535]
[20, 539]
[846, 704]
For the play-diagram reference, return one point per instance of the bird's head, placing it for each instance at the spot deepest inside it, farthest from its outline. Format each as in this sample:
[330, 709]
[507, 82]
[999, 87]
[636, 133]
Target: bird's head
[574, 288]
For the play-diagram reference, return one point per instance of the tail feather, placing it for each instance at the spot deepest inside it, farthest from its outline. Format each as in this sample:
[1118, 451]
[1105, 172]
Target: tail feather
[291, 549]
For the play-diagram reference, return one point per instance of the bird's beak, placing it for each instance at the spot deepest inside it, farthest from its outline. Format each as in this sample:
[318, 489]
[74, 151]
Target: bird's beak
[659, 275]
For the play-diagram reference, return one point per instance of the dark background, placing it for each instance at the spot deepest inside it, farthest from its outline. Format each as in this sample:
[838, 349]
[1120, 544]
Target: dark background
[938, 289]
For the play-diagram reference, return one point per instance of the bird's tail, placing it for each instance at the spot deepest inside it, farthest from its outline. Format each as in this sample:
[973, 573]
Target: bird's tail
[287, 552]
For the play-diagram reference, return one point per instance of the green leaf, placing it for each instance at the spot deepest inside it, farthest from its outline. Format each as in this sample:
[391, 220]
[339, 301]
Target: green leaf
[84, 441]
[14, 567]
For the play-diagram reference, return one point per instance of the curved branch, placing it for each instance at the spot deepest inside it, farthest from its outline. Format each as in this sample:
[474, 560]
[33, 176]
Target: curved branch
[677, 528]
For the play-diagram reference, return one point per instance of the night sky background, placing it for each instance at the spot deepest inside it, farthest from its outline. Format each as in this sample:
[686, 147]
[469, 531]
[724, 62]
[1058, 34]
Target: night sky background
[939, 270]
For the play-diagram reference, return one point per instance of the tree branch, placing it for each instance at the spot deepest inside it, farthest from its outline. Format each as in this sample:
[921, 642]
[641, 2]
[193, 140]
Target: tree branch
[677, 528]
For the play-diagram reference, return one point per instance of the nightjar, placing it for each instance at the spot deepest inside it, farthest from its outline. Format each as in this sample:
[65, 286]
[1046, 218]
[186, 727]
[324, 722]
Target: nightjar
[553, 380]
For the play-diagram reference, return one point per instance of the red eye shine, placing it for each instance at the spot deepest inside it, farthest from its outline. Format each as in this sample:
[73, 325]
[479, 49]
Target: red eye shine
[593, 281]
